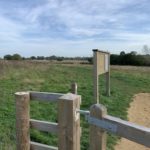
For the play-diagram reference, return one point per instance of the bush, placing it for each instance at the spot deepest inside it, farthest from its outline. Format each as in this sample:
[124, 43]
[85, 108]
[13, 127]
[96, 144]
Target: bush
[130, 59]
[16, 57]
[12, 57]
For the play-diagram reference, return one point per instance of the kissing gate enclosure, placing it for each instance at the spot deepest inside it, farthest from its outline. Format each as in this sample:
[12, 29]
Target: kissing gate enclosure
[68, 127]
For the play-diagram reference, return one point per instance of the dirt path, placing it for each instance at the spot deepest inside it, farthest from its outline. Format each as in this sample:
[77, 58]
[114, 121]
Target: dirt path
[139, 112]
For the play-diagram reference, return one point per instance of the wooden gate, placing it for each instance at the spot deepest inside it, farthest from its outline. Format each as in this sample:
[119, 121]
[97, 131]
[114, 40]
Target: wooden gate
[67, 128]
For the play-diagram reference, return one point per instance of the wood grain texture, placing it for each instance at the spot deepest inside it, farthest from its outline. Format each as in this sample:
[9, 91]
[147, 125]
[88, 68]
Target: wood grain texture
[95, 78]
[22, 121]
[45, 96]
[38, 146]
[107, 76]
[44, 126]
[97, 136]
[130, 130]
[74, 88]
[69, 122]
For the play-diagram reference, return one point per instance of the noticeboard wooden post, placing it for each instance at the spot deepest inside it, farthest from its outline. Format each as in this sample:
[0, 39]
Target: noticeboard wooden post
[101, 65]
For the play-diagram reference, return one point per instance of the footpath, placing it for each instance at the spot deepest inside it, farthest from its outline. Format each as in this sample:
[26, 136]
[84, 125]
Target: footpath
[139, 112]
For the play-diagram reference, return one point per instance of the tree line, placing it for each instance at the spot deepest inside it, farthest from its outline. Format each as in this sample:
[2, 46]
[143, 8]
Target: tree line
[131, 58]
[53, 57]
[123, 58]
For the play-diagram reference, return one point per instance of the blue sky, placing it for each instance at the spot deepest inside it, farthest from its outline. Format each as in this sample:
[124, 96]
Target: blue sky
[73, 27]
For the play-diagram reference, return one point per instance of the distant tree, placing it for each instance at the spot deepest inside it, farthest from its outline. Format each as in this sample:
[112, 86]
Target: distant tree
[90, 60]
[40, 57]
[8, 57]
[133, 53]
[114, 59]
[53, 57]
[23, 58]
[60, 58]
[16, 57]
[33, 57]
[131, 58]
[146, 50]
[122, 53]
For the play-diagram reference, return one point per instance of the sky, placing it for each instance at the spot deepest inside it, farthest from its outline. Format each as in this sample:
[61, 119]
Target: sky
[73, 27]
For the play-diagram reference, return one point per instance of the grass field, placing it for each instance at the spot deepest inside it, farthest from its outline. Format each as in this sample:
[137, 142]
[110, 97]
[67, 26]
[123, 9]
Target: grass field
[25, 76]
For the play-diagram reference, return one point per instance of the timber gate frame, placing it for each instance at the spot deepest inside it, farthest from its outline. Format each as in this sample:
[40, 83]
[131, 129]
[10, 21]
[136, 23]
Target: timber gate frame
[68, 126]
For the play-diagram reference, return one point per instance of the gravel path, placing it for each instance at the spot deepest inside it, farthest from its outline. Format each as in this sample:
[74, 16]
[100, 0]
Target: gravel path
[139, 112]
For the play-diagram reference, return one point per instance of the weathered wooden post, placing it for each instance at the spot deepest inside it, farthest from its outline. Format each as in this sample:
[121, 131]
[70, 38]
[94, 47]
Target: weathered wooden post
[69, 122]
[74, 88]
[107, 74]
[95, 76]
[98, 137]
[22, 121]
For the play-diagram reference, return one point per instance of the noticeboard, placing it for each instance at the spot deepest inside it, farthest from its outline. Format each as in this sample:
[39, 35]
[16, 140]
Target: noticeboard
[101, 66]
[102, 62]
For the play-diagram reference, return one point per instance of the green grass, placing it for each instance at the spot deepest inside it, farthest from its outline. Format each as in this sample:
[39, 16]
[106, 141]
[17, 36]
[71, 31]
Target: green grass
[25, 76]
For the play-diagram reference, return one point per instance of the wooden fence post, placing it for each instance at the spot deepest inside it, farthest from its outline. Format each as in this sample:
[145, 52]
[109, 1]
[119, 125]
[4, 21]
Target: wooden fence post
[97, 135]
[74, 88]
[107, 76]
[69, 122]
[22, 121]
[95, 76]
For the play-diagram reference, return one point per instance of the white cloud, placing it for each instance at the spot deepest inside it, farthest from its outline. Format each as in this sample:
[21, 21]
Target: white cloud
[9, 31]
[78, 25]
